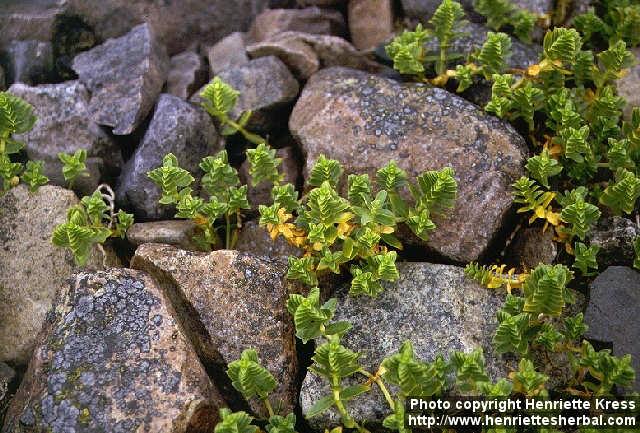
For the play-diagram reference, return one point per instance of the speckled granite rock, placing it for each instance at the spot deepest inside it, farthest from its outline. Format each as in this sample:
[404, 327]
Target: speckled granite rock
[29, 62]
[629, 86]
[187, 73]
[615, 237]
[434, 306]
[531, 246]
[64, 125]
[266, 87]
[229, 52]
[613, 310]
[255, 240]
[364, 121]
[177, 127]
[309, 20]
[370, 22]
[31, 268]
[305, 53]
[230, 301]
[113, 358]
[261, 194]
[173, 232]
[124, 75]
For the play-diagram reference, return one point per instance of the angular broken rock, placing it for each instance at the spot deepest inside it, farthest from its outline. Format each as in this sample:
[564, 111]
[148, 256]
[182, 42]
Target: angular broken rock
[309, 20]
[615, 237]
[187, 74]
[364, 121]
[124, 76]
[370, 22]
[266, 87]
[64, 125]
[173, 232]
[176, 127]
[31, 267]
[227, 53]
[230, 301]
[112, 357]
[434, 306]
[612, 313]
[327, 51]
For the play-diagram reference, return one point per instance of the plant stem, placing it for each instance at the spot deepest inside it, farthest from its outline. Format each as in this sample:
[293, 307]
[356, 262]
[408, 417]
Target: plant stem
[267, 404]
[228, 231]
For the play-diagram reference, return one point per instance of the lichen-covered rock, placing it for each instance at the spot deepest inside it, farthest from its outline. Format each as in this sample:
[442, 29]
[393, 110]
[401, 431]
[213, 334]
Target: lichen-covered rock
[615, 237]
[229, 52]
[176, 127]
[370, 22]
[64, 125]
[29, 62]
[327, 51]
[309, 20]
[532, 246]
[124, 76]
[112, 357]
[266, 87]
[612, 313]
[629, 86]
[31, 268]
[261, 194]
[364, 121]
[255, 240]
[434, 306]
[230, 301]
[187, 74]
[173, 232]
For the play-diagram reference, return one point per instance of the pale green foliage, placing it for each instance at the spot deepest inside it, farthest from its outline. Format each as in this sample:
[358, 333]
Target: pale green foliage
[407, 51]
[235, 422]
[413, 376]
[445, 21]
[73, 166]
[605, 369]
[561, 45]
[33, 175]
[622, 195]
[528, 381]
[581, 216]
[469, 369]
[545, 289]
[494, 54]
[249, 377]
[263, 165]
[586, 258]
[500, 13]
[541, 167]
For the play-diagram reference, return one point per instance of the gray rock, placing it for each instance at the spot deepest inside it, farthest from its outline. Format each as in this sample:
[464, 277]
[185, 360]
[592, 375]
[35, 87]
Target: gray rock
[266, 87]
[434, 306]
[629, 86]
[29, 62]
[261, 194]
[321, 3]
[370, 22]
[255, 240]
[124, 75]
[112, 357]
[173, 232]
[230, 302]
[187, 74]
[64, 125]
[29, 19]
[228, 53]
[309, 20]
[325, 51]
[615, 237]
[31, 268]
[530, 247]
[612, 313]
[176, 127]
[424, 9]
[364, 121]
[180, 24]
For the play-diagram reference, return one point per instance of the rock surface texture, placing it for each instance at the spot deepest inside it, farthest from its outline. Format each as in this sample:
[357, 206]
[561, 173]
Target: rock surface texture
[113, 358]
[255, 240]
[230, 301]
[29, 62]
[615, 237]
[64, 125]
[364, 121]
[125, 76]
[434, 306]
[612, 313]
[629, 86]
[227, 53]
[176, 127]
[173, 232]
[370, 22]
[31, 268]
[187, 73]
[310, 20]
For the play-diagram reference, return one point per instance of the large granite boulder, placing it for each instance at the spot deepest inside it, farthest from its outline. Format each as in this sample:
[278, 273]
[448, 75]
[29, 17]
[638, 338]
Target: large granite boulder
[31, 268]
[612, 313]
[176, 127]
[230, 301]
[124, 76]
[179, 233]
[64, 125]
[266, 87]
[434, 306]
[112, 357]
[364, 121]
